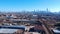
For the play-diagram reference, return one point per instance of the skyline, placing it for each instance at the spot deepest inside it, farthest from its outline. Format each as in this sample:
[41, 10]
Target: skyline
[29, 5]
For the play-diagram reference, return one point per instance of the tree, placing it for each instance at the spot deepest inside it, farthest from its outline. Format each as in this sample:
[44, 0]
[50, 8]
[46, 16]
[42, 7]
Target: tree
[57, 25]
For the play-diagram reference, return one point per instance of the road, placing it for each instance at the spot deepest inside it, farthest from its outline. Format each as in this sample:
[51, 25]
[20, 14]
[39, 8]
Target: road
[46, 29]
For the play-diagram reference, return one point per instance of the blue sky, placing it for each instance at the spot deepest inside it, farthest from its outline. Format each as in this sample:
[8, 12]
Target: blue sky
[29, 5]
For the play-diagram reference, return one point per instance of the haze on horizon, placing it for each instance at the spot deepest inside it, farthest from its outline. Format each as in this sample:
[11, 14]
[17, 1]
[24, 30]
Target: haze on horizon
[29, 5]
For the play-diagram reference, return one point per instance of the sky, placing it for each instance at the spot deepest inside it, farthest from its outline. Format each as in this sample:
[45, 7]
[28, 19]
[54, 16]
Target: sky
[29, 5]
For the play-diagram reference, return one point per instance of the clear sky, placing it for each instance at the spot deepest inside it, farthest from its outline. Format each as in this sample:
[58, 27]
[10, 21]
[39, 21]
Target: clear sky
[19, 5]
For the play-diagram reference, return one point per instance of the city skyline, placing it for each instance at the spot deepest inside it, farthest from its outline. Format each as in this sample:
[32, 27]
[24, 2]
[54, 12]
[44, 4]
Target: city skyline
[29, 5]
